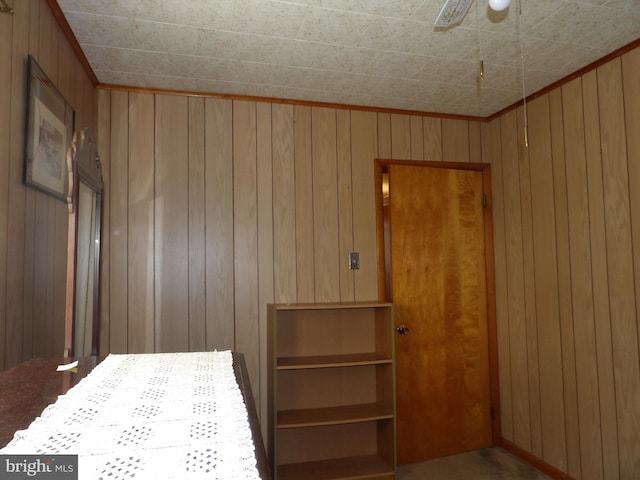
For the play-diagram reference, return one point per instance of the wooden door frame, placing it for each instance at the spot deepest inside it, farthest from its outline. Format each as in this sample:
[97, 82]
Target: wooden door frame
[380, 166]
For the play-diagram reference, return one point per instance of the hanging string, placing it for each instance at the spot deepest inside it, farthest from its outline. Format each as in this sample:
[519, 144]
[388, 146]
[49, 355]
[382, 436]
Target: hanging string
[481, 61]
[524, 91]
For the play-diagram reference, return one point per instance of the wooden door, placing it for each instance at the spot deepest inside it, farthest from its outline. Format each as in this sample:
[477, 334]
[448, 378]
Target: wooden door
[438, 287]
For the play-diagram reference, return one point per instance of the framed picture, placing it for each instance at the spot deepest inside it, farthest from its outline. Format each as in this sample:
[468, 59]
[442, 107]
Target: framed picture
[49, 132]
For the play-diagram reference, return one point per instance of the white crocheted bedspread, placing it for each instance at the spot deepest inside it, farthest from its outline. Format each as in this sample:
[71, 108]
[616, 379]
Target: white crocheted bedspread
[150, 416]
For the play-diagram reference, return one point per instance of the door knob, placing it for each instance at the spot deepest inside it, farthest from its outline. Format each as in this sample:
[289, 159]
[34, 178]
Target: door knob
[402, 329]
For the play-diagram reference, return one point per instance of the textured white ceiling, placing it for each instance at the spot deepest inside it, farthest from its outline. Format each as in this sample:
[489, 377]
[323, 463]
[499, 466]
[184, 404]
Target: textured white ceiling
[375, 53]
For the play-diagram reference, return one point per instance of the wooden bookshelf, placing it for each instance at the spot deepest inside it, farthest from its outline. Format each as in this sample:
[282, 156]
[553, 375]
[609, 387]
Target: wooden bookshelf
[331, 391]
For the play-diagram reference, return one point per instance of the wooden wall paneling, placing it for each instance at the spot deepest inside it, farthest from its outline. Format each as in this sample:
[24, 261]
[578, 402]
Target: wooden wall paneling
[61, 211]
[49, 278]
[364, 140]
[345, 203]
[56, 248]
[82, 119]
[515, 283]
[492, 154]
[80, 111]
[50, 36]
[40, 243]
[624, 325]
[522, 306]
[65, 85]
[304, 204]
[384, 144]
[400, 136]
[66, 71]
[417, 138]
[87, 101]
[171, 226]
[90, 97]
[87, 108]
[529, 289]
[84, 110]
[28, 308]
[475, 142]
[56, 295]
[600, 278]
[39, 228]
[43, 37]
[32, 225]
[36, 228]
[245, 232]
[326, 245]
[264, 175]
[118, 222]
[490, 301]
[29, 214]
[455, 140]
[581, 286]
[76, 93]
[219, 223]
[197, 226]
[630, 76]
[76, 76]
[42, 224]
[141, 240]
[60, 280]
[583, 233]
[432, 128]
[564, 285]
[284, 206]
[543, 221]
[104, 151]
[6, 34]
[57, 259]
[46, 333]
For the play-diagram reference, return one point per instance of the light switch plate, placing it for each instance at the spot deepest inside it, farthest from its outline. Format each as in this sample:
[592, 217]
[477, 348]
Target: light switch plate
[354, 261]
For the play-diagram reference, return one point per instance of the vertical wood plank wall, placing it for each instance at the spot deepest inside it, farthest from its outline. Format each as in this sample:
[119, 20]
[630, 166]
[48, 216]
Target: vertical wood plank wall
[567, 246]
[287, 191]
[33, 226]
[216, 207]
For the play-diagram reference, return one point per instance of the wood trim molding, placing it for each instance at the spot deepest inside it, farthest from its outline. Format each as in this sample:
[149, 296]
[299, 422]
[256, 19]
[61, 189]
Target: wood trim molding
[378, 172]
[492, 316]
[485, 169]
[578, 73]
[534, 461]
[73, 41]
[286, 101]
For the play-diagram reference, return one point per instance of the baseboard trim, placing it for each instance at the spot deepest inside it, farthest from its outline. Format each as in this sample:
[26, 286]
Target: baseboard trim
[531, 459]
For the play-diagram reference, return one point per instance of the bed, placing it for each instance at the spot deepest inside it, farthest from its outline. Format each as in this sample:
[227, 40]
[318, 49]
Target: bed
[179, 415]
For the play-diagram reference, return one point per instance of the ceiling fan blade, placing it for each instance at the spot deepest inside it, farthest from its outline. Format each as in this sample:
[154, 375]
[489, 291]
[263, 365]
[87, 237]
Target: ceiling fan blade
[452, 12]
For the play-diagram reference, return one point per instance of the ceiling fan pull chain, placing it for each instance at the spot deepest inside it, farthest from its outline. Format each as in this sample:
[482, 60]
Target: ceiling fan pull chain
[524, 92]
[481, 62]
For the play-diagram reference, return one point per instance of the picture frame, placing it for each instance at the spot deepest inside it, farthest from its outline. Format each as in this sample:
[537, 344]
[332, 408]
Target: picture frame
[48, 134]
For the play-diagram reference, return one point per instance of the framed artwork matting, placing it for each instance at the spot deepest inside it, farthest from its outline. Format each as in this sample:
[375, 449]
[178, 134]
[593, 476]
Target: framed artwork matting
[49, 132]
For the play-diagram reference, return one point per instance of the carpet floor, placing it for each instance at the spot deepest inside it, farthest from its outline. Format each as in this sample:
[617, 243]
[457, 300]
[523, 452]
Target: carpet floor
[485, 464]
